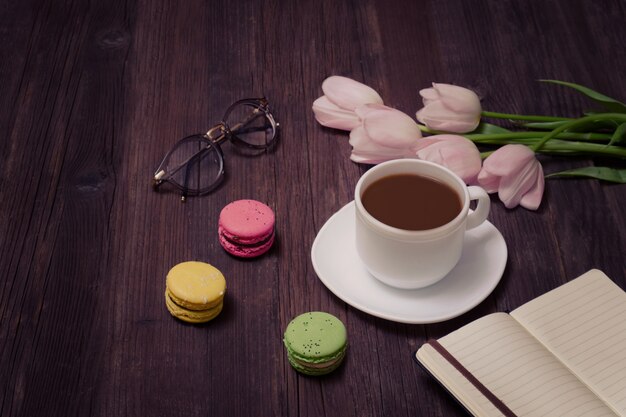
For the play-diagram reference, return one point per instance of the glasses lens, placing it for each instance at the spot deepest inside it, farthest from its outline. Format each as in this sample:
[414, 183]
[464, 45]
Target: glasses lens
[251, 124]
[195, 165]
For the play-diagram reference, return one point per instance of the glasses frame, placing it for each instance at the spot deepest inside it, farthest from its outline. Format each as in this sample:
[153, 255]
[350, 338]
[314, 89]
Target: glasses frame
[213, 138]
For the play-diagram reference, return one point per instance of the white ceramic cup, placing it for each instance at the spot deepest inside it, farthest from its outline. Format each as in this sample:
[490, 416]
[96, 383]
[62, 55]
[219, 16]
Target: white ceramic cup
[412, 259]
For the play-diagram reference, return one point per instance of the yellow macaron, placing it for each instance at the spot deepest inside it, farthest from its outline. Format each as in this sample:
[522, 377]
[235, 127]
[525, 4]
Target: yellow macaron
[194, 291]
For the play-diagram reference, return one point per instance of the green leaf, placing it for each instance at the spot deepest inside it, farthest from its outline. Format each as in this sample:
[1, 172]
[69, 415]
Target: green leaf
[600, 173]
[488, 128]
[608, 102]
[619, 136]
[602, 125]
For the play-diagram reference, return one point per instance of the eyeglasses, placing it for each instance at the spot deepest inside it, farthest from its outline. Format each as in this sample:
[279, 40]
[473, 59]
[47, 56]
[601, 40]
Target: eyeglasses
[195, 165]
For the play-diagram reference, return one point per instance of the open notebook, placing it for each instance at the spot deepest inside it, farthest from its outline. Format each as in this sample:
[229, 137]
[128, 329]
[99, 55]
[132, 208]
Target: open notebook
[561, 354]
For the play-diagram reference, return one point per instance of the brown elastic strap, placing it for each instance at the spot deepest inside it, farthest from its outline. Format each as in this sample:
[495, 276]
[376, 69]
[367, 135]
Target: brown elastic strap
[472, 379]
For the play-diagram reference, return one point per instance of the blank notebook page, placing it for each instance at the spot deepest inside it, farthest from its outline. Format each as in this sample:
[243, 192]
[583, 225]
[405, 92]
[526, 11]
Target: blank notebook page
[520, 371]
[583, 323]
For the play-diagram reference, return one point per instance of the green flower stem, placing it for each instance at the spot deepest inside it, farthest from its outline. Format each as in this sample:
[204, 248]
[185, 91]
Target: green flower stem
[530, 118]
[592, 137]
[556, 146]
[579, 122]
[426, 129]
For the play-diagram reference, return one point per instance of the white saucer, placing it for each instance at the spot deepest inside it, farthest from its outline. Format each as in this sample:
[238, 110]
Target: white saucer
[475, 276]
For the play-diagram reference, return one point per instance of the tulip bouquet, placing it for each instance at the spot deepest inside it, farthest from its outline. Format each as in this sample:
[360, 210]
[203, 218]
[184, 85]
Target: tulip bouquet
[452, 123]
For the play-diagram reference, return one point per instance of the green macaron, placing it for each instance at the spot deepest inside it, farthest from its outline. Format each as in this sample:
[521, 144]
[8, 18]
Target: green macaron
[316, 343]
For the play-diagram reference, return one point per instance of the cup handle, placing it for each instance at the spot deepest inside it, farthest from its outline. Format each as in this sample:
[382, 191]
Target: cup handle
[479, 215]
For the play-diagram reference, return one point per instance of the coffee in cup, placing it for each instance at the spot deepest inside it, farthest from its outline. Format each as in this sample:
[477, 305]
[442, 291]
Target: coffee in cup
[398, 201]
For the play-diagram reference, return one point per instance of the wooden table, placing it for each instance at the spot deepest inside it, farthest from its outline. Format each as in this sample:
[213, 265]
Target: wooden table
[95, 93]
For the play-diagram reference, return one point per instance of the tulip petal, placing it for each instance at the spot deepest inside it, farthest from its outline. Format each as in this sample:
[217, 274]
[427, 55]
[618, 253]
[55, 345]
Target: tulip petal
[372, 150]
[364, 159]
[456, 153]
[488, 181]
[449, 108]
[429, 95]
[446, 139]
[364, 110]
[508, 160]
[437, 117]
[348, 93]
[363, 144]
[465, 165]
[330, 115]
[360, 140]
[458, 99]
[390, 127]
[521, 180]
[361, 159]
[513, 187]
[532, 199]
[367, 158]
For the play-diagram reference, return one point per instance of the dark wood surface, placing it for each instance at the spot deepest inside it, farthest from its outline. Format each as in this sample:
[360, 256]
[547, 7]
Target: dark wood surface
[93, 94]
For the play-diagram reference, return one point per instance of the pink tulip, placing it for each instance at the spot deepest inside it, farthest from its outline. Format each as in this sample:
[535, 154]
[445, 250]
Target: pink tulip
[384, 134]
[330, 115]
[336, 108]
[348, 93]
[456, 153]
[517, 176]
[449, 108]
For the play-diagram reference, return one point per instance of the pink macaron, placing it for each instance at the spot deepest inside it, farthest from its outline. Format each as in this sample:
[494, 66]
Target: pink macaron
[246, 228]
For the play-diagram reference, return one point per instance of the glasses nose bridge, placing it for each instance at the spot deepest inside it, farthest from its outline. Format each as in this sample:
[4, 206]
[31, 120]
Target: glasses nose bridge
[218, 133]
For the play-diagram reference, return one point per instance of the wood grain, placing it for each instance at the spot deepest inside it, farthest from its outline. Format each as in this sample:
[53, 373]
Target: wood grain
[95, 93]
